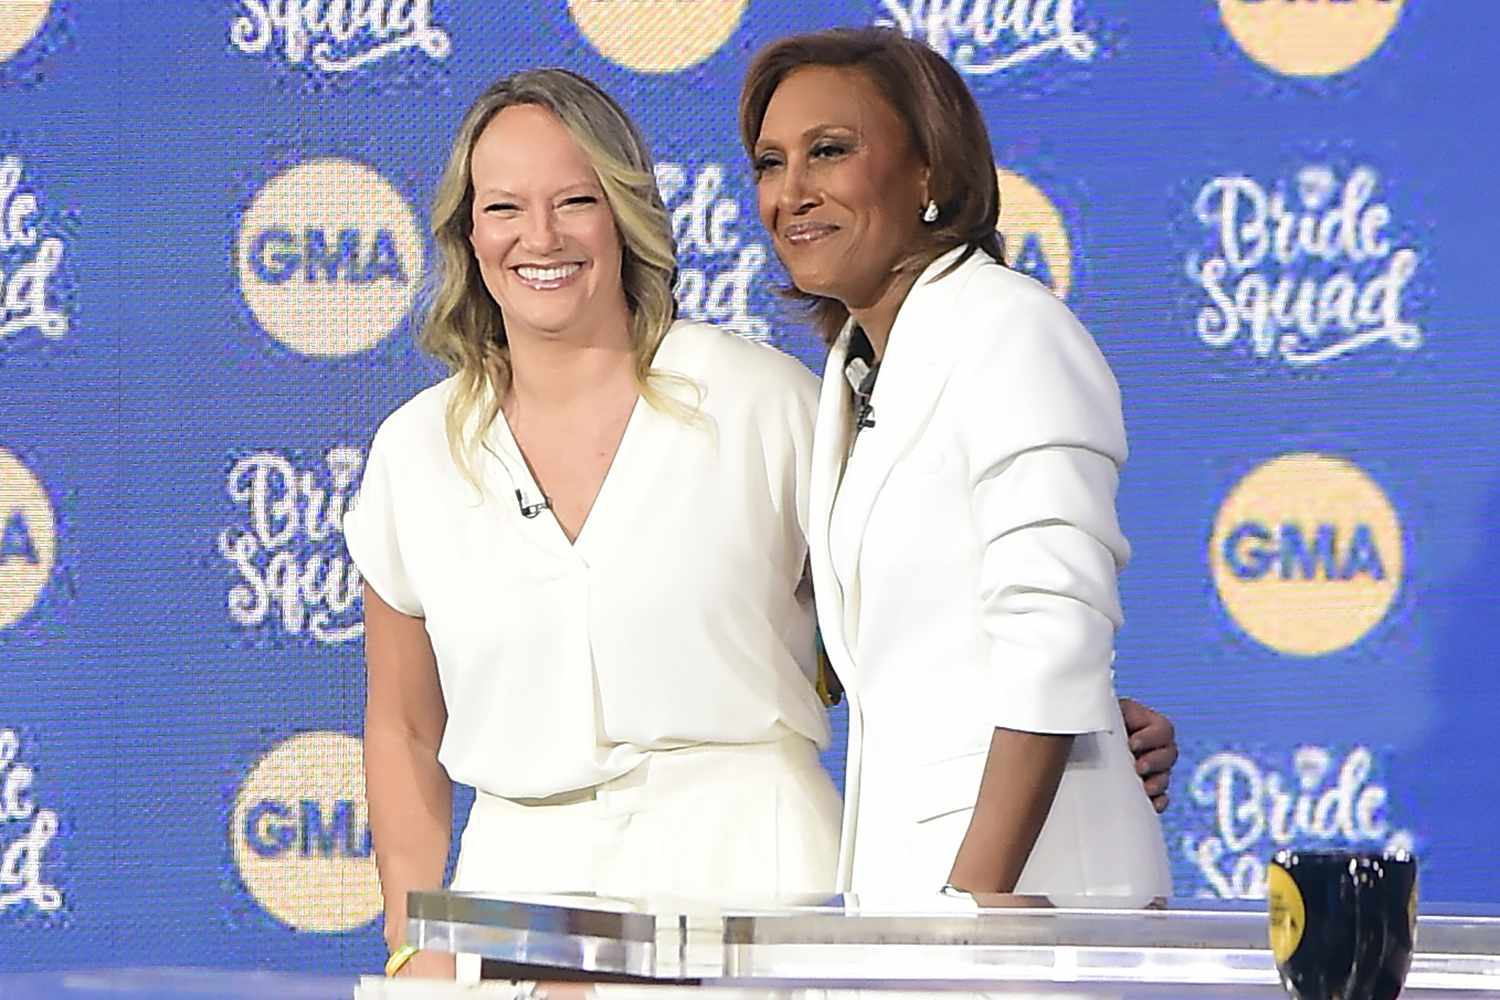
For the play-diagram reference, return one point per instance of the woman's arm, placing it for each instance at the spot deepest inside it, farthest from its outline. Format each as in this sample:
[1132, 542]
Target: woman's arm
[410, 795]
[1021, 776]
[1040, 428]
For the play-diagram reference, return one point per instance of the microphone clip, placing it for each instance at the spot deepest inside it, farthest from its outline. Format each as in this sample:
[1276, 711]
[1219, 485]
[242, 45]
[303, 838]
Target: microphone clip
[861, 375]
[530, 510]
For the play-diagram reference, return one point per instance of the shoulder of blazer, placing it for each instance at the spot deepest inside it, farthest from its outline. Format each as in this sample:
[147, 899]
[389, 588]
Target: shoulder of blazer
[983, 308]
[1018, 349]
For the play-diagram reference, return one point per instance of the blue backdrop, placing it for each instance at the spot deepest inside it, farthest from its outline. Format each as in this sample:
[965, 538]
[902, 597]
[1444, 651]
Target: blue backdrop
[1276, 216]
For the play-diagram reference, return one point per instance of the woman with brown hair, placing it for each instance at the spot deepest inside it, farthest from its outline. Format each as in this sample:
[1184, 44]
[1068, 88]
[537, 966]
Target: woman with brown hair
[963, 533]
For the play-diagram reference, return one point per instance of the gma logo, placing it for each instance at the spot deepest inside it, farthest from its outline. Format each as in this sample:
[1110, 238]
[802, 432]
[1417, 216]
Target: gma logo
[313, 255]
[1307, 554]
[308, 828]
[28, 540]
[300, 833]
[17, 541]
[1254, 550]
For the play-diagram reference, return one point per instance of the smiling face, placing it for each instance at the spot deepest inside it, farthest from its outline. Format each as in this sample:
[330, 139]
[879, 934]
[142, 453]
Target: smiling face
[543, 233]
[841, 189]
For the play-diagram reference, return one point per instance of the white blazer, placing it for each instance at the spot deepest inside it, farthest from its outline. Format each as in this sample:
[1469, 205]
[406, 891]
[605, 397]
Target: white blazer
[964, 557]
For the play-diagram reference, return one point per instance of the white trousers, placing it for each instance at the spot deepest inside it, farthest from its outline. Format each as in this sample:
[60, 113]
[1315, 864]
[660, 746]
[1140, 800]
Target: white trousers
[713, 822]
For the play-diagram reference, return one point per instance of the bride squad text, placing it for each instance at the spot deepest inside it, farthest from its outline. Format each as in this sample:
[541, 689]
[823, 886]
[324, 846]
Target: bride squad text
[29, 260]
[1306, 276]
[1257, 809]
[716, 269]
[981, 37]
[289, 553]
[26, 830]
[338, 35]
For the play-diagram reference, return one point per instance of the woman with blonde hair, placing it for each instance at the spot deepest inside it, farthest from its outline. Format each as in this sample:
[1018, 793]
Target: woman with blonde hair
[583, 551]
[584, 555]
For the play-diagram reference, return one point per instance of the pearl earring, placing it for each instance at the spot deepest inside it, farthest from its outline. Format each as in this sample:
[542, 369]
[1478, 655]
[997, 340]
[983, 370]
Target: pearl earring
[930, 213]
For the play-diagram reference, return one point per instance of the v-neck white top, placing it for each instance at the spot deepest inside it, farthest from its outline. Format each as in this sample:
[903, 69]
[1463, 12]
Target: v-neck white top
[675, 619]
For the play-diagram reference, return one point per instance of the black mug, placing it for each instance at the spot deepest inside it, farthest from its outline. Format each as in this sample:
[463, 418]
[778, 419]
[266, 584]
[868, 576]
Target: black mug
[1343, 923]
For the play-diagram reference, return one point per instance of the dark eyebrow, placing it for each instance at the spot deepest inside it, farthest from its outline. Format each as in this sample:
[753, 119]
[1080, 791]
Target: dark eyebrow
[809, 133]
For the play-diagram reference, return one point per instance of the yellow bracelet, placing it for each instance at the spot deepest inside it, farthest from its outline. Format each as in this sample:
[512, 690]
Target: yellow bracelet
[830, 689]
[399, 958]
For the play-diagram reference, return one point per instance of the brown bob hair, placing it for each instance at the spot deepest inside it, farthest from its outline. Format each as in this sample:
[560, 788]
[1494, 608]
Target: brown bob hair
[946, 128]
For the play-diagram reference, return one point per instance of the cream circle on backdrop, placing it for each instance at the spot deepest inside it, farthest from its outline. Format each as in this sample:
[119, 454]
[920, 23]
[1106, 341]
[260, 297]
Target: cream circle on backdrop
[1310, 37]
[1307, 554]
[20, 20]
[300, 834]
[657, 36]
[28, 539]
[329, 257]
[1036, 241]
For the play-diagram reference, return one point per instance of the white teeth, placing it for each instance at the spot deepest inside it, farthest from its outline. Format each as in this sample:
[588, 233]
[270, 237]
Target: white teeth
[544, 274]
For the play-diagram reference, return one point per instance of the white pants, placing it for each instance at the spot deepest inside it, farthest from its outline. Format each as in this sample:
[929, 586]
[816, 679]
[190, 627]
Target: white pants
[714, 822]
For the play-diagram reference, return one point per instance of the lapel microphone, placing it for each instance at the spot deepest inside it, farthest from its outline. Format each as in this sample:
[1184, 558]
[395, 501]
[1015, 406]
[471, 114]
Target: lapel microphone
[530, 510]
[861, 375]
[865, 415]
[860, 369]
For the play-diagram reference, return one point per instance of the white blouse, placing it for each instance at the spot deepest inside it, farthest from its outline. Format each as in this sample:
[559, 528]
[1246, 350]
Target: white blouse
[676, 618]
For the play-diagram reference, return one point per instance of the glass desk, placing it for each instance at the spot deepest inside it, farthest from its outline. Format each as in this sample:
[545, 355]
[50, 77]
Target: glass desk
[1004, 945]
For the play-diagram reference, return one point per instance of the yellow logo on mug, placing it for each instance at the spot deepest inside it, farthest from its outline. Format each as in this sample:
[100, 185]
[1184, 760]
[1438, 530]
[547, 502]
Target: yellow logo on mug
[1288, 913]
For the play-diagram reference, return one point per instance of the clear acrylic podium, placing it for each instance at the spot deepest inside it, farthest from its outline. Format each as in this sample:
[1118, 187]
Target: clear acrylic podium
[1001, 945]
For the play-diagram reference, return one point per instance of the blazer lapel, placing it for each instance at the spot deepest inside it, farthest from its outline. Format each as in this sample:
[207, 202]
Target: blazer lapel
[830, 448]
[913, 371]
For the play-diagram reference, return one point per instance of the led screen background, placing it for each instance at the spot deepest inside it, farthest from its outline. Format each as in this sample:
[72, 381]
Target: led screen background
[1276, 218]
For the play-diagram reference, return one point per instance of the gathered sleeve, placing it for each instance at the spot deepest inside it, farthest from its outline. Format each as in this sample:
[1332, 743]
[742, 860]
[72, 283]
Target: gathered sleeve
[1043, 432]
[372, 530]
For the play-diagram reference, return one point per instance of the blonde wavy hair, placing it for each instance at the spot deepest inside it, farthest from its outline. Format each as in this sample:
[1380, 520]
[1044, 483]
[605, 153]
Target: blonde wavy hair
[463, 326]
